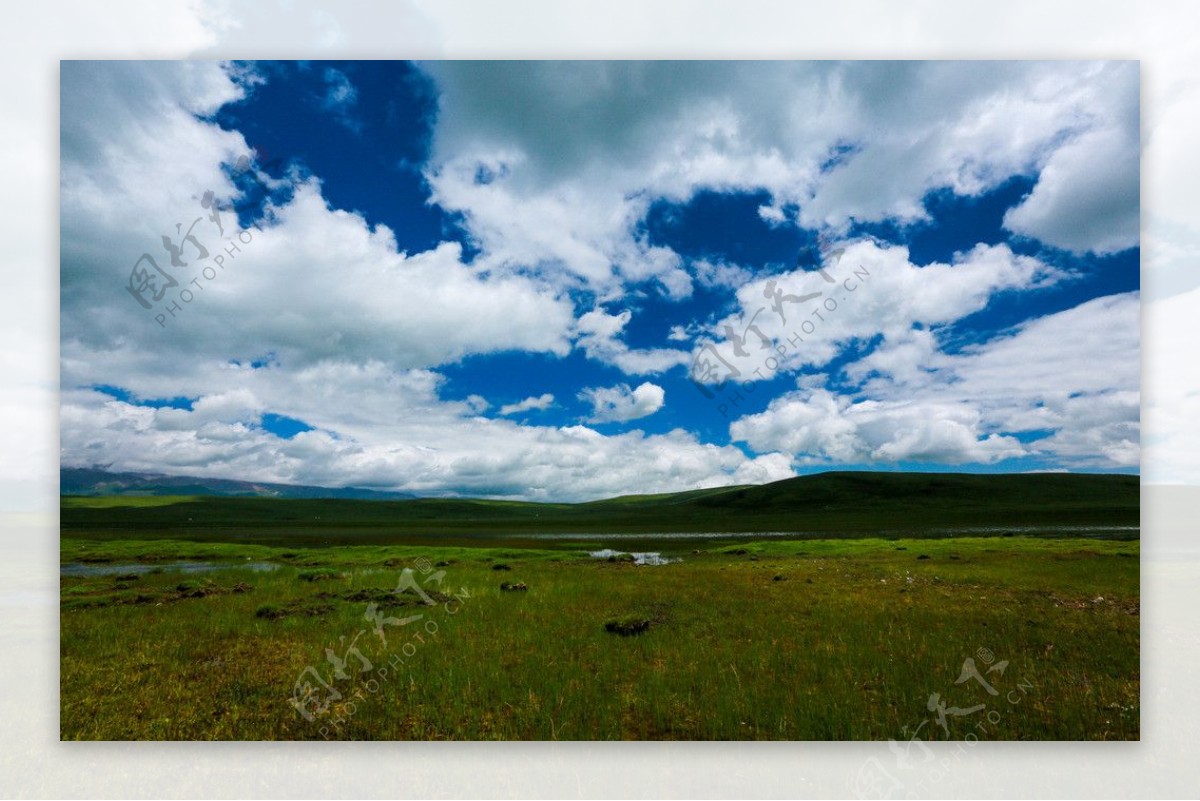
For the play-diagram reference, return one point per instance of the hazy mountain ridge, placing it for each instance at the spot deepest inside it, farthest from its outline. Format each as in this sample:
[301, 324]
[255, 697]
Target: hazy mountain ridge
[92, 481]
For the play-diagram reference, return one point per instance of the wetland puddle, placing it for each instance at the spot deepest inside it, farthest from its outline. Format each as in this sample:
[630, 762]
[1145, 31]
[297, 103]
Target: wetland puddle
[82, 569]
[644, 558]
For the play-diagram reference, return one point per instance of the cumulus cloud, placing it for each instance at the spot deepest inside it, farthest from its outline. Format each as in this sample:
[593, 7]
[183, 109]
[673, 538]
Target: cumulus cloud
[803, 319]
[598, 334]
[536, 403]
[321, 315]
[578, 150]
[765, 469]
[314, 283]
[396, 435]
[1076, 206]
[620, 403]
[1087, 194]
[1068, 381]
[818, 427]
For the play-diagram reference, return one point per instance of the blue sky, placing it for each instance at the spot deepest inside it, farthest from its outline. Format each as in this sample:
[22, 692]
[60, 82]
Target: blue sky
[506, 279]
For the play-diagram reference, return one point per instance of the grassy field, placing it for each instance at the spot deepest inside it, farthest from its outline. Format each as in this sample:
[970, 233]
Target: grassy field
[780, 639]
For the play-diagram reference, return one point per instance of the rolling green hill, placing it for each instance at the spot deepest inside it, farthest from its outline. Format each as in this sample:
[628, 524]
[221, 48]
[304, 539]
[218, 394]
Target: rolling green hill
[830, 504]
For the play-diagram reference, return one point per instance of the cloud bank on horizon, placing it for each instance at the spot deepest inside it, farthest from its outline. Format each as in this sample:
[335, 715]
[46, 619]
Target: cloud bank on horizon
[562, 281]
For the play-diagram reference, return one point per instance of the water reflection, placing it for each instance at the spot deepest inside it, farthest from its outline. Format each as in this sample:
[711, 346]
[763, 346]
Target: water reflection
[644, 558]
[81, 569]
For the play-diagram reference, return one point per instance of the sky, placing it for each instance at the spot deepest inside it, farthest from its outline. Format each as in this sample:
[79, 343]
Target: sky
[566, 281]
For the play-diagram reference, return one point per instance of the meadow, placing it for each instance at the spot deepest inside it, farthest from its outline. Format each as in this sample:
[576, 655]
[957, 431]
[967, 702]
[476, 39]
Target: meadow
[780, 640]
[281, 630]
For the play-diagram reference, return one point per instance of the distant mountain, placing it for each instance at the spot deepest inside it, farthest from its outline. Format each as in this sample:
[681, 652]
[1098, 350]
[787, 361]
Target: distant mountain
[842, 503]
[91, 481]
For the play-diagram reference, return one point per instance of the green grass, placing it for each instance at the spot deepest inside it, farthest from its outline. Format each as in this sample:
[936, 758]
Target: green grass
[788, 639]
[114, 501]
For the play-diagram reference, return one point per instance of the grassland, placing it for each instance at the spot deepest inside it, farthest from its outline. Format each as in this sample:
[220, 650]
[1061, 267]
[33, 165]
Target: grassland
[828, 633]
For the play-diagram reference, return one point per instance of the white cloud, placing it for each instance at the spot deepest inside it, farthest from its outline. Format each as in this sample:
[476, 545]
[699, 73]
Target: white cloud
[340, 98]
[579, 150]
[536, 403]
[339, 92]
[344, 314]
[818, 427]
[343, 325]
[772, 215]
[799, 319]
[765, 469]
[315, 283]
[720, 274]
[598, 334]
[1068, 380]
[1086, 197]
[395, 435]
[1090, 348]
[30, 141]
[477, 403]
[620, 403]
